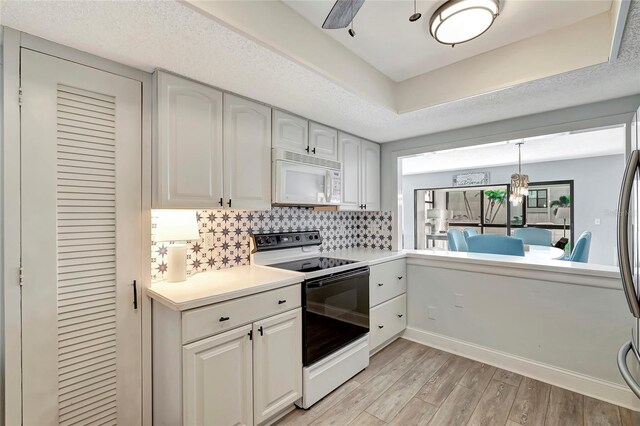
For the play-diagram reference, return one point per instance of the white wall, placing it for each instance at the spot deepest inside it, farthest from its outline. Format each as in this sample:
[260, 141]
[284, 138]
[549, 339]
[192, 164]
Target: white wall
[596, 185]
[564, 328]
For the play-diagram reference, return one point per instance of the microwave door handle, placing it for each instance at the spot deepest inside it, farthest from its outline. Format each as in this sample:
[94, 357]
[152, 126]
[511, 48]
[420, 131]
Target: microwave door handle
[626, 272]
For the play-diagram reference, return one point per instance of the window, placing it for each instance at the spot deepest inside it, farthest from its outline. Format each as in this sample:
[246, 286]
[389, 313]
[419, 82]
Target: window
[537, 199]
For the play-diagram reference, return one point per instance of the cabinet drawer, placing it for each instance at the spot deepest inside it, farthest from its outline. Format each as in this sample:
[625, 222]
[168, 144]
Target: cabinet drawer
[387, 320]
[387, 280]
[210, 320]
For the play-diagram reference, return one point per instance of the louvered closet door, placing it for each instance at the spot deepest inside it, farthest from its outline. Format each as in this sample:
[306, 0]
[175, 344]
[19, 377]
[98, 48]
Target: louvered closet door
[81, 241]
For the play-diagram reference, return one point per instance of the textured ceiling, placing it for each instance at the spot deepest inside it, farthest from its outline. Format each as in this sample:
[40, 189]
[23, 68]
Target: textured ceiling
[170, 35]
[401, 50]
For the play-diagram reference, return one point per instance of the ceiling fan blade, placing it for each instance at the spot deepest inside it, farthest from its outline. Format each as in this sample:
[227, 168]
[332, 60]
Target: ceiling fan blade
[342, 13]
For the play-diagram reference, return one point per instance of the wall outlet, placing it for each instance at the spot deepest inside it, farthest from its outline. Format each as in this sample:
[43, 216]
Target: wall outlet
[459, 300]
[207, 240]
[597, 221]
[432, 312]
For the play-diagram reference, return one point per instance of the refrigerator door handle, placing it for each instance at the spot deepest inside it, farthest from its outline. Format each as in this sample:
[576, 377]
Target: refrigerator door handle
[624, 369]
[623, 234]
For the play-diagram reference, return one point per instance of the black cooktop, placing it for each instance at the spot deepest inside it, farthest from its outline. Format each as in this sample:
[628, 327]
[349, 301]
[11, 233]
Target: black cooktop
[313, 264]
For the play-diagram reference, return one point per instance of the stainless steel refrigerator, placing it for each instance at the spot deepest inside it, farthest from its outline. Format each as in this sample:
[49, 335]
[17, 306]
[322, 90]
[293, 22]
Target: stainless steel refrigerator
[629, 257]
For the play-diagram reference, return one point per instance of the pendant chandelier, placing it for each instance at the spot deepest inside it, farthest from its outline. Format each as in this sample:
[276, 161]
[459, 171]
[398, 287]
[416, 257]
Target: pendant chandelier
[519, 182]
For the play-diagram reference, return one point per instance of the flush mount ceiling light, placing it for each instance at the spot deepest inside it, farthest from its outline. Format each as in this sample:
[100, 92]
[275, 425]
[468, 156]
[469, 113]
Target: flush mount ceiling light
[459, 21]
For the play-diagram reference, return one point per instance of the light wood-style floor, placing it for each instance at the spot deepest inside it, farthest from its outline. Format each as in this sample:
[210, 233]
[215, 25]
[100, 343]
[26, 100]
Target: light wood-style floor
[411, 384]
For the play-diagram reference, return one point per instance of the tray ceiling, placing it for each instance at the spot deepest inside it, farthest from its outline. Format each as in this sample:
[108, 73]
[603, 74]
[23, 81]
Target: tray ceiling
[400, 50]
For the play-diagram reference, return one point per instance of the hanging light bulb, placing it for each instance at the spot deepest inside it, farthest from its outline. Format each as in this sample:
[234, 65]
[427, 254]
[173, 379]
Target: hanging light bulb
[352, 33]
[416, 15]
[519, 182]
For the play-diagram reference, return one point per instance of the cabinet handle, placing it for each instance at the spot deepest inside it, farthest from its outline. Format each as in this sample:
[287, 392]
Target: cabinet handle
[380, 284]
[400, 277]
[229, 203]
[250, 334]
[313, 150]
[400, 315]
[135, 295]
[221, 202]
[381, 326]
[307, 149]
[224, 319]
[280, 302]
[261, 331]
[365, 206]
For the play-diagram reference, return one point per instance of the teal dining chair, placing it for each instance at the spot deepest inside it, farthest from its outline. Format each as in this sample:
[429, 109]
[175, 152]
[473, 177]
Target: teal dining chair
[470, 232]
[580, 252]
[495, 244]
[456, 240]
[534, 236]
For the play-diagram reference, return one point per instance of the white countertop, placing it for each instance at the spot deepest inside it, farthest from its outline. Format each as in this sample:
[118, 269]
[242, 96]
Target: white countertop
[372, 256]
[210, 287]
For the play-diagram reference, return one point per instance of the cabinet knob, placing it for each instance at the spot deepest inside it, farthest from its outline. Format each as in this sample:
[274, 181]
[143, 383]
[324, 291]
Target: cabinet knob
[381, 326]
[224, 319]
[380, 284]
[280, 302]
[400, 277]
[400, 315]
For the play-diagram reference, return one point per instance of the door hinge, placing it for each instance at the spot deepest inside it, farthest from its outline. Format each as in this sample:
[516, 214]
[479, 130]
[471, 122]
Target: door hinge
[20, 275]
[20, 96]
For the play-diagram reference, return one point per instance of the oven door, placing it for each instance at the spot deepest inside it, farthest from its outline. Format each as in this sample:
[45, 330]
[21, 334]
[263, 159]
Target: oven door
[336, 312]
[303, 184]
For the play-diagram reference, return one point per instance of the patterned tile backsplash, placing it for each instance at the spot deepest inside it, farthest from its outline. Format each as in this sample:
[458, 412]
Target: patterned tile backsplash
[232, 229]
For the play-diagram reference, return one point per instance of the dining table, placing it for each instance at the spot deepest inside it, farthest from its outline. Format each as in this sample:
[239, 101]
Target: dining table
[536, 252]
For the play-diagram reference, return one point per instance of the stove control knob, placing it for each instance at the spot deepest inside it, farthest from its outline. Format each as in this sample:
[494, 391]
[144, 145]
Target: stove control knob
[297, 237]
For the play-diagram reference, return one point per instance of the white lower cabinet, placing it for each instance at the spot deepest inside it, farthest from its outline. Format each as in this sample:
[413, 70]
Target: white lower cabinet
[217, 384]
[277, 364]
[388, 302]
[245, 375]
[387, 320]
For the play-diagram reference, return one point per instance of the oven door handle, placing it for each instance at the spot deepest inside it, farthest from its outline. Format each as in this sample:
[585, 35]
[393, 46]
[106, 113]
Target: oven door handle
[321, 282]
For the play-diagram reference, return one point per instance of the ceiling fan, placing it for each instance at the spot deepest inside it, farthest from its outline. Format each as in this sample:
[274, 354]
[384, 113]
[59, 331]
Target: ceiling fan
[342, 14]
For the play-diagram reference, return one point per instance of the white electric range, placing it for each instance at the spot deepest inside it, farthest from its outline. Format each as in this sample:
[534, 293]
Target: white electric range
[335, 309]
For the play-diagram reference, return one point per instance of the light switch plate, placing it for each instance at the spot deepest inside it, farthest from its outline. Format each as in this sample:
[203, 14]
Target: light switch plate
[459, 300]
[207, 240]
[597, 221]
[432, 312]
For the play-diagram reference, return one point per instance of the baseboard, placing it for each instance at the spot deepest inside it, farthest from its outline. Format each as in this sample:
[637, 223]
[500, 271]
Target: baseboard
[600, 389]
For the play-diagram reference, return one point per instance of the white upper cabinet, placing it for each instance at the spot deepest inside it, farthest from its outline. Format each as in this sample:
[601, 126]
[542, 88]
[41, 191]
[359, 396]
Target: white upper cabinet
[349, 156]
[290, 132]
[360, 173]
[187, 144]
[196, 164]
[323, 141]
[370, 175]
[247, 154]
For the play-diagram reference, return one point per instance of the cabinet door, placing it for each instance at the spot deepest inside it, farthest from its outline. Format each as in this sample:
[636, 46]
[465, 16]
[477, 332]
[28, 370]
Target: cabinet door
[277, 353]
[323, 141]
[290, 132]
[370, 175]
[349, 156]
[217, 376]
[247, 154]
[188, 144]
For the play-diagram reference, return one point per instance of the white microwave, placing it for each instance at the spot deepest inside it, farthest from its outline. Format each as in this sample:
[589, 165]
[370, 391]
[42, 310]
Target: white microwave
[304, 180]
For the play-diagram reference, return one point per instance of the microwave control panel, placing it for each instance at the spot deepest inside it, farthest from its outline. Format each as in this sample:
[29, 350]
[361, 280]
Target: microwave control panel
[336, 187]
